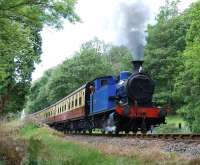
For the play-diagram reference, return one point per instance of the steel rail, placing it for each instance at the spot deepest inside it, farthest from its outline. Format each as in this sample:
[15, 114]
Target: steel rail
[165, 136]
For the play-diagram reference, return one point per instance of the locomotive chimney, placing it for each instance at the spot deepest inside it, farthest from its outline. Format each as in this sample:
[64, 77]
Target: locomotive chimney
[137, 65]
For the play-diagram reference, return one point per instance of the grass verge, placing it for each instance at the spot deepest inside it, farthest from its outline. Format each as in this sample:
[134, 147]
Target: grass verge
[47, 147]
[2, 163]
[172, 125]
[30, 144]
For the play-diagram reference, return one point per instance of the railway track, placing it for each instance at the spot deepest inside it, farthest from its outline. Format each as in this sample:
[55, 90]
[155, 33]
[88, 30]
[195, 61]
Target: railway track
[165, 136]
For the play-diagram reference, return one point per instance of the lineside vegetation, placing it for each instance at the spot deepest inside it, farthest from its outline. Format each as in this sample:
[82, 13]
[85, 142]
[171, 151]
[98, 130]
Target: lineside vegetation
[33, 143]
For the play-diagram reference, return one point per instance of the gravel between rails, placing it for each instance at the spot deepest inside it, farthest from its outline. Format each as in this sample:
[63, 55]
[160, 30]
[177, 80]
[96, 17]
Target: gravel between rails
[127, 145]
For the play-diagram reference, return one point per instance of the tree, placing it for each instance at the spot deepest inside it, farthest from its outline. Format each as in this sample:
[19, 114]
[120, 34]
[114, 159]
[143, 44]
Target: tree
[168, 11]
[172, 57]
[163, 52]
[94, 59]
[187, 87]
[38, 94]
[20, 43]
[84, 66]
[120, 58]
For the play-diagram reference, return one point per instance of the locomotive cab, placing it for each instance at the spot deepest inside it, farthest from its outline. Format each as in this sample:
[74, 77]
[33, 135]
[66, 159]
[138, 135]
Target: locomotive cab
[104, 88]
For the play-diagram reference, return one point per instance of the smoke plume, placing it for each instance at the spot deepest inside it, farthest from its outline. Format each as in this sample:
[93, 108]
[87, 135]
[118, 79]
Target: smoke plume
[133, 19]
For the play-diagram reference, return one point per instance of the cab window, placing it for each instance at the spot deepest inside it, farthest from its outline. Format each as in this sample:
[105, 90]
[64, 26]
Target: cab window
[104, 82]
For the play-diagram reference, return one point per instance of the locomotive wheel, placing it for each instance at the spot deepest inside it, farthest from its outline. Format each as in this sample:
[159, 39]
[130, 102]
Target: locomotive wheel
[135, 130]
[116, 132]
[127, 131]
[143, 131]
[90, 131]
[103, 131]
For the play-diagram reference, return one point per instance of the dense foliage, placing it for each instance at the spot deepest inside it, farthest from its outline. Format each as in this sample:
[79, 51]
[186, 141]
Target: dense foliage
[20, 43]
[172, 56]
[188, 81]
[165, 45]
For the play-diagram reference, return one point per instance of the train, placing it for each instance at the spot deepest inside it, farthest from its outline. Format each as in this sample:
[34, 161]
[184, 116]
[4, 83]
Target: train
[109, 104]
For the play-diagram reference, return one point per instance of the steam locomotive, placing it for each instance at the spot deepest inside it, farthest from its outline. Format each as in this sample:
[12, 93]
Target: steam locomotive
[108, 103]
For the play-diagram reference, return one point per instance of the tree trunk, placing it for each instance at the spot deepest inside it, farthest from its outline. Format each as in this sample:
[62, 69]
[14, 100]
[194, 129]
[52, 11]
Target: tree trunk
[2, 105]
[3, 101]
[4, 98]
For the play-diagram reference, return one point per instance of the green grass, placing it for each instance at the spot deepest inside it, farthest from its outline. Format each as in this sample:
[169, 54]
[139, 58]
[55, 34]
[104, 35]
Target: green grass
[2, 163]
[46, 147]
[172, 125]
[175, 120]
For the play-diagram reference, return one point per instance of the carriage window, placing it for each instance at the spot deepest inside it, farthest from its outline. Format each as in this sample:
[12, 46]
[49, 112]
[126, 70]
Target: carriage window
[76, 102]
[104, 82]
[80, 100]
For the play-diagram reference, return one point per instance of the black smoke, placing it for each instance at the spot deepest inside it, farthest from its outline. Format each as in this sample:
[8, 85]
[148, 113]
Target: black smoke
[133, 19]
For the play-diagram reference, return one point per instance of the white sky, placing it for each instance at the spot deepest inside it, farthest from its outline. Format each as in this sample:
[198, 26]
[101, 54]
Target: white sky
[97, 20]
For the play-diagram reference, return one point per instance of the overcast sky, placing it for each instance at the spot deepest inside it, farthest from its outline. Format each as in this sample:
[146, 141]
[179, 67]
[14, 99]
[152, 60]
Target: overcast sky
[98, 19]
